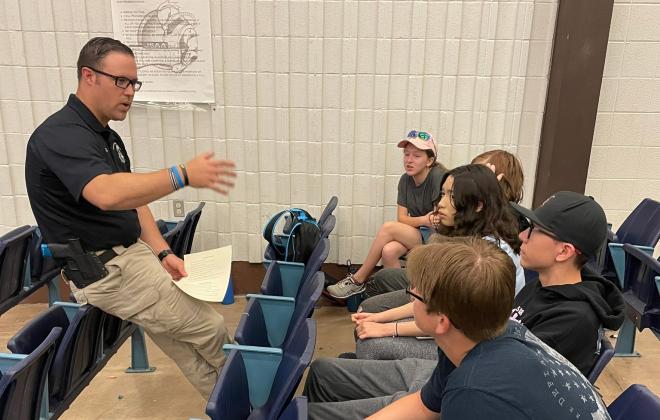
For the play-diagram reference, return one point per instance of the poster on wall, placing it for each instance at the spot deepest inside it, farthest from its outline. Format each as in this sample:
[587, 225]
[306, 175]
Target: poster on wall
[172, 45]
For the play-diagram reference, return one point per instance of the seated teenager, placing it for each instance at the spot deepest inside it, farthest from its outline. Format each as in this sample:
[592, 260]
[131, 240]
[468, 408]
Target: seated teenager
[568, 305]
[471, 204]
[419, 186]
[488, 367]
[509, 172]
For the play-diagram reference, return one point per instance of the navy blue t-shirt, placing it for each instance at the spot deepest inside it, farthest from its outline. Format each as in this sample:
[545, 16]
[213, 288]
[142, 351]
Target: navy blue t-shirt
[514, 376]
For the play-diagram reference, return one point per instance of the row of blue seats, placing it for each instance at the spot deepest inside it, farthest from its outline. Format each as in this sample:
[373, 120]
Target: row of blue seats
[640, 278]
[627, 260]
[23, 270]
[640, 228]
[57, 354]
[276, 339]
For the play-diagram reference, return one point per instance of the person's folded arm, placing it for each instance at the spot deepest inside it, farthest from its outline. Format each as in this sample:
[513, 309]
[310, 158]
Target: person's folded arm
[403, 217]
[390, 315]
[400, 312]
[409, 329]
[367, 329]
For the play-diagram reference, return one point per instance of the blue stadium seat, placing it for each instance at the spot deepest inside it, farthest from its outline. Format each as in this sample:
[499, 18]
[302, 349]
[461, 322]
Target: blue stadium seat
[606, 354]
[641, 296]
[256, 329]
[14, 251]
[174, 236]
[43, 270]
[635, 403]
[23, 379]
[328, 226]
[285, 278]
[232, 395]
[77, 353]
[113, 329]
[641, 227]
[530, 275]
[23, 269]
[328, 210]
[189, 228]
[180, 238]
[296, 410]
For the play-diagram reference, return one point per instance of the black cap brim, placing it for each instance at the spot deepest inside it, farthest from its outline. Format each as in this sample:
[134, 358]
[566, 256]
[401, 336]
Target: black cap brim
[529, 214]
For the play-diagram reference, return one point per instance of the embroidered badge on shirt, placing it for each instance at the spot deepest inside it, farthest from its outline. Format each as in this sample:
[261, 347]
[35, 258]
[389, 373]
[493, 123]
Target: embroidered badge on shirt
[117, 150]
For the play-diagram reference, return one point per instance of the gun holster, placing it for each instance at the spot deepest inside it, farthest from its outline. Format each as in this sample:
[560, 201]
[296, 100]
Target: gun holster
[82, 267]
[85, 269]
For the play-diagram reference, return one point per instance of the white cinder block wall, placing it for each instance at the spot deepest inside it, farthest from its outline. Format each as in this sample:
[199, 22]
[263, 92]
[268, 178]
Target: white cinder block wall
[625, 157]
[311, 99]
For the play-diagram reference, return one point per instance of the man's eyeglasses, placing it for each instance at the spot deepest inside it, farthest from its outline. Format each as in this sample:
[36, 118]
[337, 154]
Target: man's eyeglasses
[120, 82]
[420, 135]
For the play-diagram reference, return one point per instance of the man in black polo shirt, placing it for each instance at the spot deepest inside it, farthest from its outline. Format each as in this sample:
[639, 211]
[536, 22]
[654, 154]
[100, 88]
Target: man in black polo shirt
[80, 185]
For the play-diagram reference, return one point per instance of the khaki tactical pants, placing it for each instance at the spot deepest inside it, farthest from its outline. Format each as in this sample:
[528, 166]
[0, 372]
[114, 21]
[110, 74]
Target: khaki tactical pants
[189, 331]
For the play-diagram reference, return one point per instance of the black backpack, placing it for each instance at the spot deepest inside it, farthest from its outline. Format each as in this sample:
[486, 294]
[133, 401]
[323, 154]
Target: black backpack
[293, 235]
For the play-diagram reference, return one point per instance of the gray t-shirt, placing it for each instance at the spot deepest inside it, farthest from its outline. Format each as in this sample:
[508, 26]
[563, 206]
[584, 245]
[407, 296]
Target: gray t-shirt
[419, 199]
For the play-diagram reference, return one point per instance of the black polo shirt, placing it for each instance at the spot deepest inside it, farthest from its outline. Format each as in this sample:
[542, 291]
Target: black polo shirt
[64, 153]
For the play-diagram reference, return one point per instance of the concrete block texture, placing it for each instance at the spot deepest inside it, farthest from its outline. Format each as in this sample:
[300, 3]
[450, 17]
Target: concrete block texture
[312, 97]
[626, 151]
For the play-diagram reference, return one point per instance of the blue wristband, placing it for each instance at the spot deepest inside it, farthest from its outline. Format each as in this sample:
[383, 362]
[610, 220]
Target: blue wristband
[177, 176]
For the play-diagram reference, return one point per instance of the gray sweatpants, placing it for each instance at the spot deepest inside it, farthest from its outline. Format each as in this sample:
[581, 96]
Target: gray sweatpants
[392, 348]
[385, 301]
[387, 280]
[355, 389]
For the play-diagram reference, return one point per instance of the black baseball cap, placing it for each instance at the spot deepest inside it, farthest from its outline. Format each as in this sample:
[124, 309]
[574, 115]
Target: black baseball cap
[572, 217]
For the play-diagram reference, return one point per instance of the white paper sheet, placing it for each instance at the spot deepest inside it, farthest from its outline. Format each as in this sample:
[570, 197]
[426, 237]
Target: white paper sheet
[208, 274]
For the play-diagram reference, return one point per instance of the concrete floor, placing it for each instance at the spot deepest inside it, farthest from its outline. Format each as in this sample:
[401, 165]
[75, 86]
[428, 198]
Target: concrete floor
[166, 394]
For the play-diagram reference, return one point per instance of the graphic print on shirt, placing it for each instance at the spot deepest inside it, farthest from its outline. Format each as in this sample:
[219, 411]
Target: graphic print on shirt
[564, 381]
[118, 152]
[516, 314]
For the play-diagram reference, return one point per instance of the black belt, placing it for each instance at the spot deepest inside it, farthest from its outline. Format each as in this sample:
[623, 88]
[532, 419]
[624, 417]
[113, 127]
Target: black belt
[106, 256]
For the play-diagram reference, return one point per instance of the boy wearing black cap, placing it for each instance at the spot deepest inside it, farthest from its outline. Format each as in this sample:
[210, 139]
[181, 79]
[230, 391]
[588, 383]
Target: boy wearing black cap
[568, 305]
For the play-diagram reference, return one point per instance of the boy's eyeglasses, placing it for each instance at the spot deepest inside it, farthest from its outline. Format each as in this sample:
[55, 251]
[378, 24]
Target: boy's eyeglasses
[532, 227]
[420, 135]
[414, 296]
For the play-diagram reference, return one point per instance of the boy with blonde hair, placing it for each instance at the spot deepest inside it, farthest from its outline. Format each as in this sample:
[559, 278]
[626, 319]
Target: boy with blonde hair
[488, 367]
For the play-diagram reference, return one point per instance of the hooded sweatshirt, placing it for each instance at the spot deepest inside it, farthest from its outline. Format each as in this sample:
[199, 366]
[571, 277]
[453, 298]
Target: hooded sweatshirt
[569, 317]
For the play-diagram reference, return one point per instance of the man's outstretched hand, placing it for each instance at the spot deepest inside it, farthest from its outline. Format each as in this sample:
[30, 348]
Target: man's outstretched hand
[206, 172]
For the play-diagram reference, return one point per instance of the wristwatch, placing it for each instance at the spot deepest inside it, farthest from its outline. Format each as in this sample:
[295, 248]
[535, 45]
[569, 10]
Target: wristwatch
[164, 253]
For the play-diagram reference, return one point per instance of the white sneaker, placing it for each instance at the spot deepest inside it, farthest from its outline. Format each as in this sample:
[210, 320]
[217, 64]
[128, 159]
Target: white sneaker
[345, 288]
